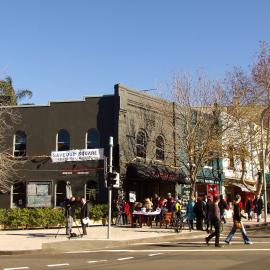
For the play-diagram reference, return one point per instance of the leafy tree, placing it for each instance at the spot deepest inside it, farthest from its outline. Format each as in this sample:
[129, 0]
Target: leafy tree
[15, 96]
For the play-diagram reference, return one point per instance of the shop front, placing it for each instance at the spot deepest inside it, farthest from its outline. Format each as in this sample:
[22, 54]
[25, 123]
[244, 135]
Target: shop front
[146, 180]
[235, 188]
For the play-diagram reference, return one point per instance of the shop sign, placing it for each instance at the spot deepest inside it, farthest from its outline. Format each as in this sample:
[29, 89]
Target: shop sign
[132, 196]
[77, 155]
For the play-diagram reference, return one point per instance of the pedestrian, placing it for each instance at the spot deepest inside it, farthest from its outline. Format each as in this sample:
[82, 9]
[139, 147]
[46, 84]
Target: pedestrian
[69, 214]
[249, 207]
[125, 212]
[258, 204]
[199, 213]
[84, 215]
[169, 203]
[216, 218]
[148, 205]
[209, 213]
[222, 207]
[190, 212]
[156, 201]
[237, 223]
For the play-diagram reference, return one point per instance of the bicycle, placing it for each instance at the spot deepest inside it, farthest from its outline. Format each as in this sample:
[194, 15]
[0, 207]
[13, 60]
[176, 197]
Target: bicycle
[180, 221]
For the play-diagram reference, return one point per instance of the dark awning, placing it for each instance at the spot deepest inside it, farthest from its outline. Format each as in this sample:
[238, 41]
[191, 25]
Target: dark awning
[156, 172]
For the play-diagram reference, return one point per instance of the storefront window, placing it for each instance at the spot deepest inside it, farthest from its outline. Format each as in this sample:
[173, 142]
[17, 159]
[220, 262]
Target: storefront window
[39, 194]
[92, 192]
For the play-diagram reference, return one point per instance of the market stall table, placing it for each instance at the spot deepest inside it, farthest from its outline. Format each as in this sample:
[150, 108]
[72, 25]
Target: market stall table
[144, 216]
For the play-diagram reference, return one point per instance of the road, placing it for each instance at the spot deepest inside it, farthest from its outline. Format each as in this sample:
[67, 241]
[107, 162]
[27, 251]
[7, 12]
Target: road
[182, 254]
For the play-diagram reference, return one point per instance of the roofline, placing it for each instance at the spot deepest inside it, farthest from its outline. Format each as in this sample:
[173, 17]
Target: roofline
[55, 101]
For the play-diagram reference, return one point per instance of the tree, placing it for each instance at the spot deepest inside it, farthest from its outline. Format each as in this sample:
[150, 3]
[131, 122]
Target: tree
[251, 93]
[198, 126]
[7, 162]
[15, 96]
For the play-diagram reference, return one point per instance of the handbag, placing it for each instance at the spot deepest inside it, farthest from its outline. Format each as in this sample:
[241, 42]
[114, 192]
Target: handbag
[86, 220]
[237, 224]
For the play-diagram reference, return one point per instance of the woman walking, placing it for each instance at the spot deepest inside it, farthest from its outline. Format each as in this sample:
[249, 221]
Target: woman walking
[237, 223]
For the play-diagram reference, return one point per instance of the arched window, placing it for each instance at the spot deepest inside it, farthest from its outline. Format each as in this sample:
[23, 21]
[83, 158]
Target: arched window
[19, 144]
[63, 140]
[141, 144]
[92, 139]
[160, 148]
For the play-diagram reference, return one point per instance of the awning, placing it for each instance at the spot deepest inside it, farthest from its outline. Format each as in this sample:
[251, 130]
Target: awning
[156, 172]
[247, 188]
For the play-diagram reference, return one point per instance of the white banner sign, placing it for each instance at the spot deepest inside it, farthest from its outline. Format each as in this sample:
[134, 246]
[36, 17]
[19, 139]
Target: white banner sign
[77, 155]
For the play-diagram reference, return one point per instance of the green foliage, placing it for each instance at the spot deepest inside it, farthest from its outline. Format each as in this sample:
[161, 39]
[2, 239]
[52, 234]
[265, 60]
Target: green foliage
[31, 217]
[3, 216]
[44, 217]
[98, 212]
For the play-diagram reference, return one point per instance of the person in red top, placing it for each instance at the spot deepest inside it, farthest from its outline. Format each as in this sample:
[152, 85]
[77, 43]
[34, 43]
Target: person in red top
[125, 212]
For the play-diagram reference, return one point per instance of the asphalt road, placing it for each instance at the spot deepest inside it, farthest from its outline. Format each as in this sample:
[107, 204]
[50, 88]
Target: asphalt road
[183, 254]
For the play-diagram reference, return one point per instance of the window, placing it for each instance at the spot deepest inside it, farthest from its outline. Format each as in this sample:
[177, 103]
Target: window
[19, 144]
[159, 148]
[92, 139]
[141, 144]
[63, 140]
[231, 157]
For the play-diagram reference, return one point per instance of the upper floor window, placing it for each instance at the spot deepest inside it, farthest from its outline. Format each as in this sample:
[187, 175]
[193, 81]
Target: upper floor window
[92, 139]
[231, 157]
[160, 148]
[141, 144]
[63, 140]
[19, 144]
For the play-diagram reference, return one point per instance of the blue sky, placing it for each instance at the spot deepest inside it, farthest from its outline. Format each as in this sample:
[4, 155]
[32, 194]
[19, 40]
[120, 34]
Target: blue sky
[67, 49]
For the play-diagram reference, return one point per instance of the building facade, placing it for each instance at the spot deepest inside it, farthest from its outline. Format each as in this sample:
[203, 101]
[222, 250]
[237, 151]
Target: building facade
[144, 149]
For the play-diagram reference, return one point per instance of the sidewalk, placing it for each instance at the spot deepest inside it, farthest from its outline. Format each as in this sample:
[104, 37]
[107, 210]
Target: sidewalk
[26, 241]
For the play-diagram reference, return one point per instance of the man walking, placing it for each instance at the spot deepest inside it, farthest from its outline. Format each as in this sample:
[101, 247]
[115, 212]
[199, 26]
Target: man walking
[216, 223]
[237, 224]
[84, 215]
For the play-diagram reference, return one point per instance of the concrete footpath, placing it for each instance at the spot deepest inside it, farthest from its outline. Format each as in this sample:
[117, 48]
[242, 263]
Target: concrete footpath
[47, 240]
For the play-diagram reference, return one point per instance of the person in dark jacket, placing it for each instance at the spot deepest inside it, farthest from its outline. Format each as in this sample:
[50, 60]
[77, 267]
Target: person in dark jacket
[209, 213]
[237, 223]
[258, 203]
[69, 214]
[216, 223]
[222, 207]
[84, 215]
[199, 213]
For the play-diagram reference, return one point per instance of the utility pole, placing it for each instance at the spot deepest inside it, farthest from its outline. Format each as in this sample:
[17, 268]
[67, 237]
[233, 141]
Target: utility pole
[263, 164]
[110, 189]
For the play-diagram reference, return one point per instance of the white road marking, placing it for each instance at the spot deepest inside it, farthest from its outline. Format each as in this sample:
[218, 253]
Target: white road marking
[17, 268]
[178, 250]
[97, 261]
[154, 243]
[58, 265]
[189, 242]
[155, 254]
[125, 258]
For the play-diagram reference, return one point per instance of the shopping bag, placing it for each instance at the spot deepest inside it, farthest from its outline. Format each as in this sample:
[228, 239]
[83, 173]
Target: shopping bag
[86, 220]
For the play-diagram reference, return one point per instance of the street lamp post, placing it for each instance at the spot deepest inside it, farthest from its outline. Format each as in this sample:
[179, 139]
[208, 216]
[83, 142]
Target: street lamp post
[263, 165]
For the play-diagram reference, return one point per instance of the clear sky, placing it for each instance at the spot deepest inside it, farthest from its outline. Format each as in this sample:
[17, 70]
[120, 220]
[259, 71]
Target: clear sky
[67, 49]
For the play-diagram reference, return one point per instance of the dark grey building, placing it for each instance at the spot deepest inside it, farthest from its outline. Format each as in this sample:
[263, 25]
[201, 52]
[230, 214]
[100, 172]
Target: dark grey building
[144, 148]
